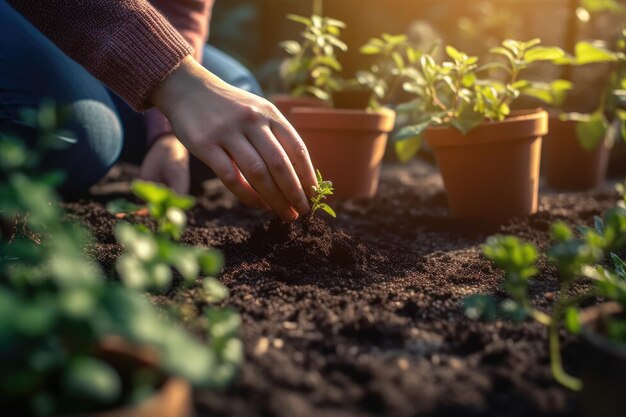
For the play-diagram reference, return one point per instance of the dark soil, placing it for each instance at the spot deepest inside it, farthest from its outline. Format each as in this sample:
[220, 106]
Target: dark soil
[362, 315]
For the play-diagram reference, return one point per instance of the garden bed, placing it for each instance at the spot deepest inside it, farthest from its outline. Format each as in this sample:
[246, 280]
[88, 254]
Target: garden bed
[362, 315]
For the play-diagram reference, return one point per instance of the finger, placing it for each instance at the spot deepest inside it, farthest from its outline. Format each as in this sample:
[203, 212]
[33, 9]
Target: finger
[280, 167]
[177, 178]
[298, 153]
[258, 175]
[226, 170]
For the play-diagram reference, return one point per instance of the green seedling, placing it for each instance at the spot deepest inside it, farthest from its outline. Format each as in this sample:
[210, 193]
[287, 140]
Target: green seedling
[456, 92]
[321, 192]
[575, 255]
[56, 307]
[313, 65]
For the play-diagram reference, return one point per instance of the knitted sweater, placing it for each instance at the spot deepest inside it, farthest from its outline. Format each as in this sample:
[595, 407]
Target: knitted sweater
[129, 45]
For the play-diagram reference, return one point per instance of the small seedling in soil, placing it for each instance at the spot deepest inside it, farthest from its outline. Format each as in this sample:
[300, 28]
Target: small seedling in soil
[321, 192]
[575, 255]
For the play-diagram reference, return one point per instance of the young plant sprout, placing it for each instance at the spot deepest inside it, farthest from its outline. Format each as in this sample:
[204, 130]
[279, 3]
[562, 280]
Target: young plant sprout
[313, 66]
[453, 94]
[575, 256]
[322, 191]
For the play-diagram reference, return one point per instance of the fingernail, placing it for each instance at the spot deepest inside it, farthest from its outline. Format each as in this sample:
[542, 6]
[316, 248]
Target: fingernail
[290, 216]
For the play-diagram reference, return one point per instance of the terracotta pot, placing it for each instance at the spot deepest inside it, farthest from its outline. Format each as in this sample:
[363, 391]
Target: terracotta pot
[172, 399]
[569, 166]
[285, 104]
[603, 365]
[347, 146]
[492, 173]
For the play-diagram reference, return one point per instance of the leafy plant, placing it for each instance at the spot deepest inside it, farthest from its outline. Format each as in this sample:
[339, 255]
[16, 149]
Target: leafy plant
[321, 192]
[575, 255]
[455, 93]
[395, 57]
[149, 258]
[313, 66]
[592, 128]
[56, 308]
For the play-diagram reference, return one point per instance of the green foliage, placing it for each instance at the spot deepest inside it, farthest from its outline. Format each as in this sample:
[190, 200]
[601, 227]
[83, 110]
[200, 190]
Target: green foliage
[456, 93]
[576, 256]
[313, 65]
[592, 128]
[56, 307]
[395, 57]
[320, 193]
[149, 258]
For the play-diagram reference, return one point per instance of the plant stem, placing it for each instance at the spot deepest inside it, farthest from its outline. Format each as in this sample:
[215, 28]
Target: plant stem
[318, 7]
[556, 363]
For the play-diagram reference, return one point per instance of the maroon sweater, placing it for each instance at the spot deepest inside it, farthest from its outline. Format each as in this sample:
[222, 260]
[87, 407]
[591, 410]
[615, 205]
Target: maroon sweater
[127, 44]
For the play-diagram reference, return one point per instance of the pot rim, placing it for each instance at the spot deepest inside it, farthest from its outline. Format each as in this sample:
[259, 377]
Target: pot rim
[312, 118]
[589, 318]
[521, 125]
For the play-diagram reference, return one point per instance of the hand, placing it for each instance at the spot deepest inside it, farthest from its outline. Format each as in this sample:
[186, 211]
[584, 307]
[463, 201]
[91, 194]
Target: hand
[167, 162]
[243, 138]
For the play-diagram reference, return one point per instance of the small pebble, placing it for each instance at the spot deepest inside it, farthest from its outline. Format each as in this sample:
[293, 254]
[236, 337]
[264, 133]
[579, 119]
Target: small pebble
[261, 346]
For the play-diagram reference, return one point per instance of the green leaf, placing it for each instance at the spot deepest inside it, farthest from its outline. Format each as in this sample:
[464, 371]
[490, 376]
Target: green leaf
[592, 132]
[454, 54]
[590, 53]
[407, 148]
[325, 207]
[597, 6]
[90, 380]
[481, 307]
[291, 47]
[572, 320]
[561, 232]
[211, 261]
[619, 265]
[214, 290]
[119, 206]
[412, 131]
[300, 19]
[370, 49]
[543, 53]
[150, 191]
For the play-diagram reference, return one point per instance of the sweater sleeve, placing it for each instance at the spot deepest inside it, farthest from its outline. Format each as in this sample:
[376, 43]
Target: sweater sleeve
[126, 44]
[191, 19]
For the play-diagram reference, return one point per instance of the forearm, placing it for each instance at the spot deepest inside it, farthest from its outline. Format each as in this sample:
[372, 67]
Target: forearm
[126, 44]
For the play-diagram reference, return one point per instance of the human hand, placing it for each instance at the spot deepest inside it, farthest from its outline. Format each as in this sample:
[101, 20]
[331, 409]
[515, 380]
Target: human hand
[242, 137]
[167, 162]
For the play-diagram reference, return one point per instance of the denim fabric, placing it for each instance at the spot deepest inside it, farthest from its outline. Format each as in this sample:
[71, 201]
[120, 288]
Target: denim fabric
[33, 69]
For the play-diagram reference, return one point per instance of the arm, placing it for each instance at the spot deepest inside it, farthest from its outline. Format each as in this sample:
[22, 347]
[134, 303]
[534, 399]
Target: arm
[126, 44]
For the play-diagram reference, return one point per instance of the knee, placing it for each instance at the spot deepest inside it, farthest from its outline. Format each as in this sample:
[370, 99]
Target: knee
[95, 145]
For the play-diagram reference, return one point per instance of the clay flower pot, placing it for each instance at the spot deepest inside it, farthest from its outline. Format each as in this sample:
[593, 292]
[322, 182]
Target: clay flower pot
[173, 397]
[603, 365]
[285, 103]
[569, 166]
[347, 146]
[493, 172]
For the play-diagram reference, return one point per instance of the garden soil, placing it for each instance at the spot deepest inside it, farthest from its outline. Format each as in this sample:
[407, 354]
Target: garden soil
[362, 315]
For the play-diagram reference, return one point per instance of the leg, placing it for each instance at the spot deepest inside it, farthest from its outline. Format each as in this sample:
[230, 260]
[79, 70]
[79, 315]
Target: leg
[33, 69]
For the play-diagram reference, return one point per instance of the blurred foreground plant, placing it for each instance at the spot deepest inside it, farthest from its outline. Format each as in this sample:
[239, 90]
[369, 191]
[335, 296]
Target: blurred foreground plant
[56, 308]
[576, 255]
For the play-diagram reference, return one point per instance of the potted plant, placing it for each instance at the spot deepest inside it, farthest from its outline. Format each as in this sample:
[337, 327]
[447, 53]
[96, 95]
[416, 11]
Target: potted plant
[348, 144]
[577, 148]
[73, 343]
[310, 71]
[602, 328]
[488, 154]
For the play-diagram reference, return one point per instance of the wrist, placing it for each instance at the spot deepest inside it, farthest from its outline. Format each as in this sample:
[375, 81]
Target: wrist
[175, 85]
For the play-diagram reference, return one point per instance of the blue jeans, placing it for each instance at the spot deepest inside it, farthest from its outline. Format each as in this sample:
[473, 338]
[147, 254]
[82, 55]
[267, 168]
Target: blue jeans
[33, 69]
